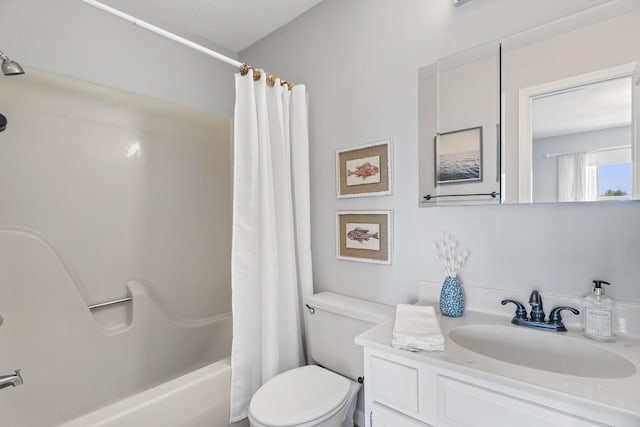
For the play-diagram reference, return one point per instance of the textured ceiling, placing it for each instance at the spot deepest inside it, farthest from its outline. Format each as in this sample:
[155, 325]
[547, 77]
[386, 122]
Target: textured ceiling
[231, 24]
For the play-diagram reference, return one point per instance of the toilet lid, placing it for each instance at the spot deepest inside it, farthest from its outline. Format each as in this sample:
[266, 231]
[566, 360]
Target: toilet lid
[298, 396]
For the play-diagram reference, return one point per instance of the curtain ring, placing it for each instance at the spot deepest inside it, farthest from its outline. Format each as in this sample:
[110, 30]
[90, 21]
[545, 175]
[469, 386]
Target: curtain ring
[256, 75]
[271, 80]
[244, 69]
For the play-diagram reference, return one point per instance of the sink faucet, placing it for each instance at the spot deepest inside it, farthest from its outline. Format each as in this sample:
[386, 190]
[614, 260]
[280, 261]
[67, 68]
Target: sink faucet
[537, 316]
[537, 312]
[11, 380]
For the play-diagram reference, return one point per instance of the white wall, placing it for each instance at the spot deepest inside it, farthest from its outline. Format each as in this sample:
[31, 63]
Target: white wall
[359, 60]
[74, 39]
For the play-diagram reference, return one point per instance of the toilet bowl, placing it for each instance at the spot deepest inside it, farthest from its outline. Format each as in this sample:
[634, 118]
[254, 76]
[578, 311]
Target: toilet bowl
[326, 394]
[305, 397]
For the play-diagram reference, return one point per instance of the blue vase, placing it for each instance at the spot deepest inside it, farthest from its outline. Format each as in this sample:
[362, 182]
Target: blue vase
[452, 298]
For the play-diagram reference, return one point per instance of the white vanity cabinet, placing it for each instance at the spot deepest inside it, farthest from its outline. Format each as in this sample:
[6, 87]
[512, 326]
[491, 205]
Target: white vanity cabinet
[401, 392]
[459, 388]
[381, 416]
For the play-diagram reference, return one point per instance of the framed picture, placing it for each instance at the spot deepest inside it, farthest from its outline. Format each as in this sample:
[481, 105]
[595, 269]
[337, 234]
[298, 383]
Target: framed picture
[364, 170]
[364, 236]
[458, 156]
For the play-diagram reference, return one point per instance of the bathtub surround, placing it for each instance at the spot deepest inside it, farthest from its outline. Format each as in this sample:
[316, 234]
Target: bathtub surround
[270, 261]
[125, 186]
[121, 187]
[50, 334]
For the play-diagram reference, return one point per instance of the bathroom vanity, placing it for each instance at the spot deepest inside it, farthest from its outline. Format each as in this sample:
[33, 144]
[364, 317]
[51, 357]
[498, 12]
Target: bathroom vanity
[493, 373]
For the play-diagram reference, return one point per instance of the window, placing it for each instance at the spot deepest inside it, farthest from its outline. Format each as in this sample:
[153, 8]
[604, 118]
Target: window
[614, 174]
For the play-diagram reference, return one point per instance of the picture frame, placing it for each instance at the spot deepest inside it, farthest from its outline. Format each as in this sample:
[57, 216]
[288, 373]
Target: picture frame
[458, 156]
[364, 236]
[364, 170]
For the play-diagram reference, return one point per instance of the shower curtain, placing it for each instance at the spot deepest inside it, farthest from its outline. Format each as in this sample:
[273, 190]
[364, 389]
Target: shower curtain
[578, 177]
[271, 252]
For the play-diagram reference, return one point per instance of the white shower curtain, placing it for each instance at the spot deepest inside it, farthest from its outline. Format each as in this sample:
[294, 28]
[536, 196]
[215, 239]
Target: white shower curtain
[271, 252]
[578, 177]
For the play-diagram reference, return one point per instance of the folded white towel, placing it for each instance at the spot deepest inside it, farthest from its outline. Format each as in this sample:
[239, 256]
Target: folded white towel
[416, 328]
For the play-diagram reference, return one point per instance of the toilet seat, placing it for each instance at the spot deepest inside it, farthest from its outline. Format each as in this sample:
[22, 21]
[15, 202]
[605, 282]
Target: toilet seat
[300, 396]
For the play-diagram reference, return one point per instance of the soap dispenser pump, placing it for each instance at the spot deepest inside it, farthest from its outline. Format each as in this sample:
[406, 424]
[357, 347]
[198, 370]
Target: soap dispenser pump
[598, 314]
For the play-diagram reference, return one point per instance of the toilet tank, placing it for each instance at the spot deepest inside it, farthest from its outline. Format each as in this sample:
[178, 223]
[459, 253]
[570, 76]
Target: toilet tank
[333, 321]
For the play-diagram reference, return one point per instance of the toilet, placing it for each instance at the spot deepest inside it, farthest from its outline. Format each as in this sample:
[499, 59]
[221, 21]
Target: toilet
[325, 393]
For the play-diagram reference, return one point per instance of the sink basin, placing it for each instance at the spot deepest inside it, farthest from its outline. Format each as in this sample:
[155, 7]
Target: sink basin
[547, 351]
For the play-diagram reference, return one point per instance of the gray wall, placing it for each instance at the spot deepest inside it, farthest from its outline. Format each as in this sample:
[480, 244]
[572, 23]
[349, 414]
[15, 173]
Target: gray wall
[77, 40]
[359, 60]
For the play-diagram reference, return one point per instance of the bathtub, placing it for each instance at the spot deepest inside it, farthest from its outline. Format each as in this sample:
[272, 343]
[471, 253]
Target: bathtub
[197, 399]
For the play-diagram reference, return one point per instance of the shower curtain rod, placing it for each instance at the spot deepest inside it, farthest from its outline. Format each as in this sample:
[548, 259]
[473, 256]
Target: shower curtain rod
[244, 68]
[164, 33]
[617, 147]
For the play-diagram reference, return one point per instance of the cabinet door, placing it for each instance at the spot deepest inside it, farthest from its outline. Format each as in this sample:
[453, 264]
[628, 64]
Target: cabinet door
[394, 384]
[465, 404]
[382, 416]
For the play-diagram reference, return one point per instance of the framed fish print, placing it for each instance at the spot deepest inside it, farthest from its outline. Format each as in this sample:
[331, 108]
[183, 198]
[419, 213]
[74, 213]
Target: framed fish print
[364, 170]
[364, 236]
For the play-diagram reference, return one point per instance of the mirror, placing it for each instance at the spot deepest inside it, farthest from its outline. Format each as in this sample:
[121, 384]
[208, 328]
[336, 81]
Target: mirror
[459, 128]
[558, 108]
[581, 143]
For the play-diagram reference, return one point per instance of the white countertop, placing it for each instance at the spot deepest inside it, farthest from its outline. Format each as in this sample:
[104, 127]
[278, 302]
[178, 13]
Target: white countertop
[621, 394]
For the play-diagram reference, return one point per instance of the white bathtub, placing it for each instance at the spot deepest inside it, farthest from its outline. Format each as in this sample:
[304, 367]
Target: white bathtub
[197, 399]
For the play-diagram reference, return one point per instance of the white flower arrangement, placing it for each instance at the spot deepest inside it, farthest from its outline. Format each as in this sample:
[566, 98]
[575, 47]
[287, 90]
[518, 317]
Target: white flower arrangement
[448, 255]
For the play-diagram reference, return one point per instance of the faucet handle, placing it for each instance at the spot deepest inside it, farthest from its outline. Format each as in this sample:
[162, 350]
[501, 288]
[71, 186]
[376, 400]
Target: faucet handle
[521, 312]
[554, 316]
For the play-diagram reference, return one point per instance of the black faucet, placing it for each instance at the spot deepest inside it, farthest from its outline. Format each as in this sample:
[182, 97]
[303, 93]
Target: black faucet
[536, 318]
[537, 312]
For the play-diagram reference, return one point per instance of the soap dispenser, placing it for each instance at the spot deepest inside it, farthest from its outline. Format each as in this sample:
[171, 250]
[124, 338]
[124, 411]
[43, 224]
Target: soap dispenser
[597, 314]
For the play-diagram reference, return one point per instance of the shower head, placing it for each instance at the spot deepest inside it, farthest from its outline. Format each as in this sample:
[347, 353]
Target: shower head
[10, 67]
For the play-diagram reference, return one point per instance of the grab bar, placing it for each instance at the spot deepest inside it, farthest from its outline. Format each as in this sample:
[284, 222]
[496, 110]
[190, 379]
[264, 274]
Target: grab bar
[108, 303]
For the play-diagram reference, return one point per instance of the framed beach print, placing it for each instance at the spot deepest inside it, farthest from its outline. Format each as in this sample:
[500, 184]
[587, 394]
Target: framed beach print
[364, 170]
[364, 236]
[458, 156]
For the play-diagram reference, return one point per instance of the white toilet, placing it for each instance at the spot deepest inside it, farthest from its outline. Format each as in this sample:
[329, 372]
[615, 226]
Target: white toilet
[324, 395]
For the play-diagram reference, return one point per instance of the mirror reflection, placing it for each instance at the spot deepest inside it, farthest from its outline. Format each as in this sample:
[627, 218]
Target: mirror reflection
[566, 99]
[459, 128]
[581, 143]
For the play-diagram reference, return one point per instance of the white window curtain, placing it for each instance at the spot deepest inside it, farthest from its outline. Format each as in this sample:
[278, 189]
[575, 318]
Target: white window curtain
[271, 255]
[578, 177]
